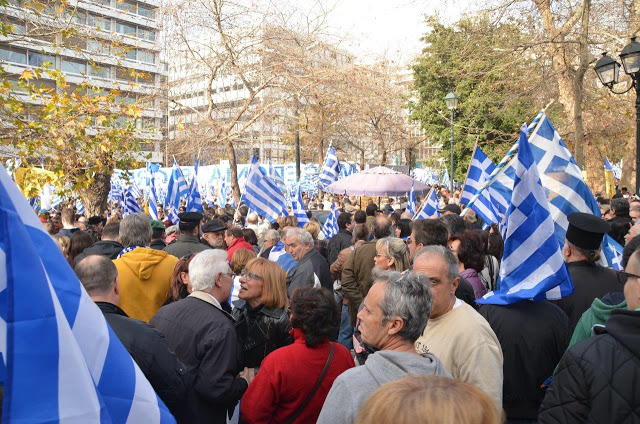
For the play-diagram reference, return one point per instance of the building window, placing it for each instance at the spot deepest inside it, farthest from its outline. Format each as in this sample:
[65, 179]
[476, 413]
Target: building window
[127, 6]
[146, 34]
[103, 2]
[126, 29]
[124, 74]
[73, 66]
[96, 46]
[17, 27]
[11, 54]
[99, 71]
[38, 59]
[145, 11]
[146, 56]
[131, 54]
[99, 22]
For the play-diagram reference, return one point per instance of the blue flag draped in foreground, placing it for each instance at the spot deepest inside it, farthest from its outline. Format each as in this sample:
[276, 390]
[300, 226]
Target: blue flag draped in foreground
[194, 200]
[532, 265]
[411, 203]
[330, 227]
[330, 169]
[262, 195]
[63, 361]
[430, 207]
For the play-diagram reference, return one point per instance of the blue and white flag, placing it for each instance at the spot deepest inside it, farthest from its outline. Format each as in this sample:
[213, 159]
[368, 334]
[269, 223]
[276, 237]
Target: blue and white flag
[330, 227]
[61, 362]
[153, 199]
[445, 178]
[262, 194]
[222, 195]
[479, 170]
[330, 169]
[116, 193]
[172, 216]
[612, 253]
[80, 207]
[430, 207]
[177, 188]
[277, 178]
[532, 265]
[297, 208]
[194, 200]
[130, 203]
[411, 203]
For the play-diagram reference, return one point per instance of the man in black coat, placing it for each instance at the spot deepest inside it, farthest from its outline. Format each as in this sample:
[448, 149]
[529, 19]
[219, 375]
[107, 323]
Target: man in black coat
[533, 337]
[146, 345]
[108, 246]
[188, 241]
[597, 378]
[203, 336]
[343, 238]
[581, 252]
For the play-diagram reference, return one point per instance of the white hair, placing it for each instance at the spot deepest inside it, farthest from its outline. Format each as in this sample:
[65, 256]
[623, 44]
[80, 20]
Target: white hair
[303, 236]
[205, 267]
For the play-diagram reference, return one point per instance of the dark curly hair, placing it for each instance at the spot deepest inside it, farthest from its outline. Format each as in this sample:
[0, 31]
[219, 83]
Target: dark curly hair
[471, 252]
[316, 313]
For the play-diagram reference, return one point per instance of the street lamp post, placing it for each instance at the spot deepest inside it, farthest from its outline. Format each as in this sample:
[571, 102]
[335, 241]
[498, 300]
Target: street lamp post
[452, 103]
[608, 71]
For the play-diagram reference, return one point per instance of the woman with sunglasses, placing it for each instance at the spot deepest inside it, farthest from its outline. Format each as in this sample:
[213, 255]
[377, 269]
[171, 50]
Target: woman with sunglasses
[262, 324]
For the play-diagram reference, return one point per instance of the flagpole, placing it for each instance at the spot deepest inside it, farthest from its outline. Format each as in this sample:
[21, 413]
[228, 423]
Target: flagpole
[473, 154]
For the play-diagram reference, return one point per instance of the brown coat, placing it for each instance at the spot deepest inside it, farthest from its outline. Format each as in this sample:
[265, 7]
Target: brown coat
[356, 276]
[343, 255]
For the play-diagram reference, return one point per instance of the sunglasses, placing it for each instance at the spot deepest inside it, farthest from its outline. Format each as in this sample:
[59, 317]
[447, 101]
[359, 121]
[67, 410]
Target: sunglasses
[626, 275]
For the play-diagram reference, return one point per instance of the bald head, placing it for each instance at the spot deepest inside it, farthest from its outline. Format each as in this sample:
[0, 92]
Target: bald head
[97, 274]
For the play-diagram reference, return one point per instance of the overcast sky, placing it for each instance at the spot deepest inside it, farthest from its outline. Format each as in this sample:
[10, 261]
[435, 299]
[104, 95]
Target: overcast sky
[390, 27]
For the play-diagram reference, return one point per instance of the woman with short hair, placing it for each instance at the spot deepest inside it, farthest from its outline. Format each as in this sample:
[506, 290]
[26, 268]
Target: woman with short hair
[467, 247]
[262, 324]
[294, 381]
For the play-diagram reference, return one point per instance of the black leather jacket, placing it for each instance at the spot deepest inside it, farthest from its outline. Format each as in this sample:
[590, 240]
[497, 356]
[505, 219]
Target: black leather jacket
[260, 331]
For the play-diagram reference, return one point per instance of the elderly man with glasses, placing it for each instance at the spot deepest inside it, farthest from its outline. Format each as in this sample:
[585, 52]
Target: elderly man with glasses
[203, 336]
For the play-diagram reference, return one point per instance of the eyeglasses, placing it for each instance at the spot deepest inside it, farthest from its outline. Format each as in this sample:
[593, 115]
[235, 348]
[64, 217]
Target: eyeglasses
[250, 274]
[626, 275]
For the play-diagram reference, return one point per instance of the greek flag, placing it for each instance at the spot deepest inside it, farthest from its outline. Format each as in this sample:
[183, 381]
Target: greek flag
[330, 227]
[116, 192]
[61, 362]
[177, 187]
[80, 207]
[411, 203]
[262, 194]
[612, 253]
[479, 170]
[153, 199]
[194, 200]
[130, 203]
[277, 178]
[222, 195]
[173, 216]
[532, 264]
[330, 169]
[297, 207]
[430, 207]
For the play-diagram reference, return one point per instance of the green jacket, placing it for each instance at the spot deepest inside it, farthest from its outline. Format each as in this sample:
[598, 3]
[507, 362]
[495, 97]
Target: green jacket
[598, 313]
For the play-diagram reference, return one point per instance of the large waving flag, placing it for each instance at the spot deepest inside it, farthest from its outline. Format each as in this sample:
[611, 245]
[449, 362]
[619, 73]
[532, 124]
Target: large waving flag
[61, 362]
[532, 264]
[479, 170]
[262, 194]
[430, 207]
[411, 203]
[194, 200]
[330, 169]
[330, 227]
[297, 207]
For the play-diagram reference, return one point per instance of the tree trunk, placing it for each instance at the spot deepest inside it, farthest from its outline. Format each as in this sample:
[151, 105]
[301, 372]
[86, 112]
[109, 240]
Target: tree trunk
[628, 177]
[96, 198]
[578, 87]
[233, 168]
[362, 159]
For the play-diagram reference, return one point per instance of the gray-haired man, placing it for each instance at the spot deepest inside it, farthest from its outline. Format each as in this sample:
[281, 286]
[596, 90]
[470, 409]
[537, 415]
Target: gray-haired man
[312, 268]
[394, 315]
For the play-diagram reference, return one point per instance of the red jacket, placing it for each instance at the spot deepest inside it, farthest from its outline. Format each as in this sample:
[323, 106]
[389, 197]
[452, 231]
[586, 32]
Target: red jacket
[239, 243]
[286, 378]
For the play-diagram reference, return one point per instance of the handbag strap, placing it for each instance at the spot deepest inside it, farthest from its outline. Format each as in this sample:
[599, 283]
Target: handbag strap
[304, 404]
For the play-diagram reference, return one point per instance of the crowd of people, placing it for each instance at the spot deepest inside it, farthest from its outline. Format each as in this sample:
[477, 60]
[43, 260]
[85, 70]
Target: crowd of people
[235, 319]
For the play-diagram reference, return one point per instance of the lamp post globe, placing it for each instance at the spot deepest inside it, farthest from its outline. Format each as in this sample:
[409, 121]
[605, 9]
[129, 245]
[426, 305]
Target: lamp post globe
[630, 57]
[607, 69]
[451, 100]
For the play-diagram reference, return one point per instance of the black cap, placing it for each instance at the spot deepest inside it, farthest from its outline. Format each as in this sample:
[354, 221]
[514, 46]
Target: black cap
[189, 220]
[95, 220]
[453, 208]
[586, 231]
[213, 226]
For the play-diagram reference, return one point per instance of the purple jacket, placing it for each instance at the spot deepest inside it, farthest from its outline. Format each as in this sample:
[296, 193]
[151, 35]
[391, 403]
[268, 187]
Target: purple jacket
[472, 276]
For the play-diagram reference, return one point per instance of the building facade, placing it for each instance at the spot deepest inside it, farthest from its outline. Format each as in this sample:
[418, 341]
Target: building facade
[112, 44]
